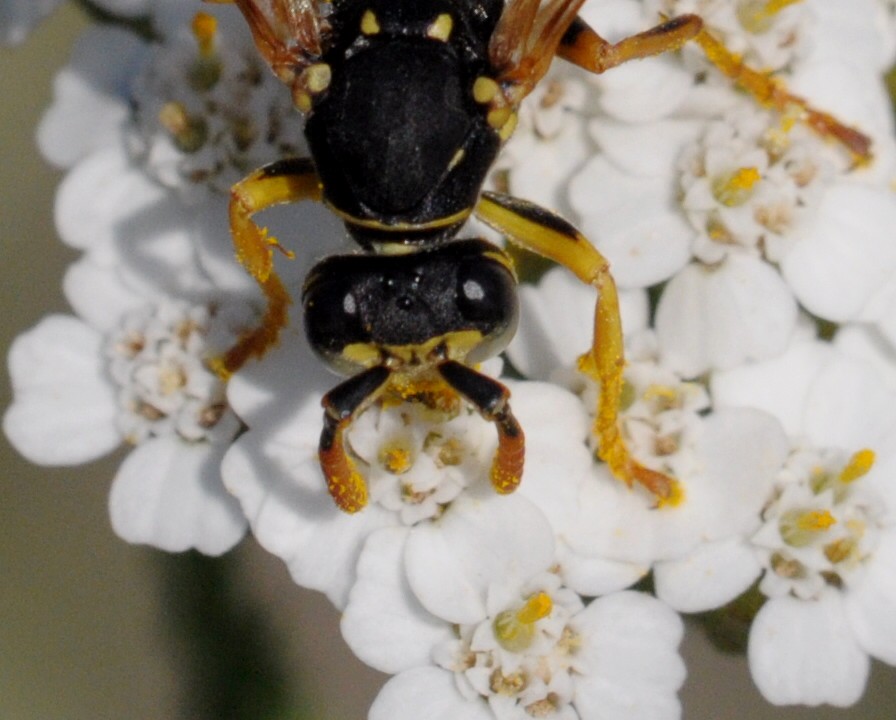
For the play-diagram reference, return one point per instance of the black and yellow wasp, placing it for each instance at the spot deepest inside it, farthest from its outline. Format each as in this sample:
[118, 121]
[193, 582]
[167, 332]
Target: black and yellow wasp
[407, 104]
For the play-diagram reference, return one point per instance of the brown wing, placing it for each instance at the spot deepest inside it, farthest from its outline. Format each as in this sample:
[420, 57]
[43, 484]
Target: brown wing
[287, 33]
[526, 39]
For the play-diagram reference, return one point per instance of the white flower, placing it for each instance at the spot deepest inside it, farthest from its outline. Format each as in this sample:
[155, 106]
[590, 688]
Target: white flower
[743, 210]
[825, 549]
[90, 109]
[724, 461]
[417, 461]
[502, 627]
[197, 108]
[760, 198]
[207, 110]
[134, 372]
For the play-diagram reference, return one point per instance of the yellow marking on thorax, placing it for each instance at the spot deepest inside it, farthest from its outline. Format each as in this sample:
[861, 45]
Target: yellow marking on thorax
[484, 89]
[441, 27]
[398, 227]
[369, 24]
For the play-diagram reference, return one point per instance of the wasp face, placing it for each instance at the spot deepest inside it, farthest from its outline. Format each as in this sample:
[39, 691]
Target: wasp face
[456, 302]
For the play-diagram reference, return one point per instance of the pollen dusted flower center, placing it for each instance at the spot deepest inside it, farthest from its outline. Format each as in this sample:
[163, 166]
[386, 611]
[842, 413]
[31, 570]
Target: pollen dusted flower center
[749, 181]
[158, 360]
[522, 658]
[207, 111]
[822, 525]
[417, 458]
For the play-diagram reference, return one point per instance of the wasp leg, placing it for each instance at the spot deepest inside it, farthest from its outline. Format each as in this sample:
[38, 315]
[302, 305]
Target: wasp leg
[551, 236]
[341, 406]
[490, 398]
[771, 92]
[584, 47]
[280, 182]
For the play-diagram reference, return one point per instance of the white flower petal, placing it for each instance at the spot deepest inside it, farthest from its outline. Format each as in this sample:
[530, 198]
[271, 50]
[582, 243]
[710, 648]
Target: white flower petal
[779, 386]
[710, 576]
[98, 295]
[89, 105]
[722, 316]
[646, 149]
[846, 253]
[742, 450]
[594, 576]
[629, 664]
[428, 693]
[644, 91]
[557, 322]
[633, 220]
[383, 623]
[283, 494]
[64, 408]
[871, 604]
[870, 345]
[479, 541]
[168, 493]
[848, 405]
[804, 652]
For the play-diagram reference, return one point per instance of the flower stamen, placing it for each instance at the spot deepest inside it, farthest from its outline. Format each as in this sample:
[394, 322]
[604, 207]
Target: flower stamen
[736, 188]
[515, 629]
[858, 466]
[799, 528]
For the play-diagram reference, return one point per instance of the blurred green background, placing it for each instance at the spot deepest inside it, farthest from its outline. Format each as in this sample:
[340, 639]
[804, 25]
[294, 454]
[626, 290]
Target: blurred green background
[92, 628]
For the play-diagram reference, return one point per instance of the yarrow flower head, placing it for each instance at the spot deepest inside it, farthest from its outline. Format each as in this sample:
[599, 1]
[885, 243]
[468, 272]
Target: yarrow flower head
[725, 222]
[207, 111]
[135, 372]
[500, 635]
[418, 461]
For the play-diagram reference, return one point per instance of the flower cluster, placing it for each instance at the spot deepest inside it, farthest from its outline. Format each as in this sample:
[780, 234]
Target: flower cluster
[750, 239]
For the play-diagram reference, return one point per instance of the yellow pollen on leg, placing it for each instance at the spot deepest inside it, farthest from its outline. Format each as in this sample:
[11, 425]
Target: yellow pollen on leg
[858, 466]
[735, 188]
[675, 498]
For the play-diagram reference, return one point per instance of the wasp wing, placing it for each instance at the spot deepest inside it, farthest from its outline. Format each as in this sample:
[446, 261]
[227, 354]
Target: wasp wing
[287, 32]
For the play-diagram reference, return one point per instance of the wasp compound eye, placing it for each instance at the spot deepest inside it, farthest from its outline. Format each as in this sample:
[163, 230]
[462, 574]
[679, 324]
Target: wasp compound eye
[486, 300]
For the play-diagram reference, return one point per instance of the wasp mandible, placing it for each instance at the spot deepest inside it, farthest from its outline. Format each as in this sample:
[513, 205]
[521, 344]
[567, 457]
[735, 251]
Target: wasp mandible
[407, 104]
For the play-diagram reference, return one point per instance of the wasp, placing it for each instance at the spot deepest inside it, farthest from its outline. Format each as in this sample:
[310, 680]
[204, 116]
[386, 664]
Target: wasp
[407, 104]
